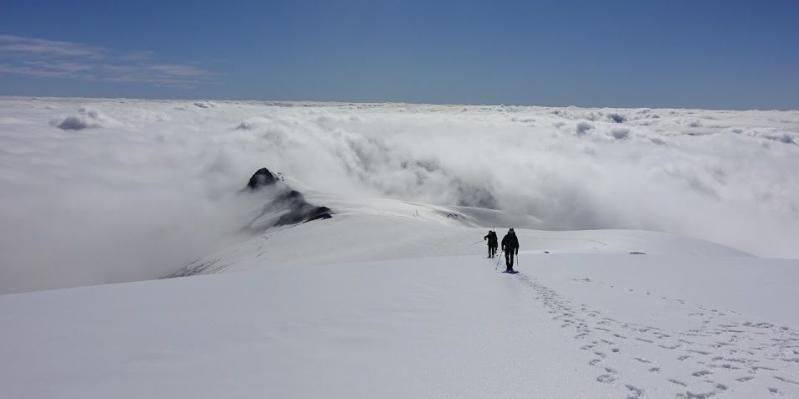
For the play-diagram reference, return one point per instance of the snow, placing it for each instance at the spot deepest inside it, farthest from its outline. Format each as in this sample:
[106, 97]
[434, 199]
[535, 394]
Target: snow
[391, 229]
[569, 325]
[639, 270]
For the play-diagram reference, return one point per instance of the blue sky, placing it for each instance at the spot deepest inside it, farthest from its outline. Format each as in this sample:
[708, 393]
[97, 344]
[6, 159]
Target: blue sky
[709, 54]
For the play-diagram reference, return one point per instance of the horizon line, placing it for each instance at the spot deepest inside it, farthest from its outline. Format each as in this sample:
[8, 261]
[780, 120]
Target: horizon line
[341, 102]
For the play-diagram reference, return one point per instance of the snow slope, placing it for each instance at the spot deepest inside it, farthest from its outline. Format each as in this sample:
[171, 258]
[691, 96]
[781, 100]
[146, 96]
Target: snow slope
[394, 299]
[570, 324]
[364, 230]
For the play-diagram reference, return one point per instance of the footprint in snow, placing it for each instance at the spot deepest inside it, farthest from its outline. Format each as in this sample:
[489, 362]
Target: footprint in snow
[760, 340]
[786, 380]
[635, 392]
[606, 378]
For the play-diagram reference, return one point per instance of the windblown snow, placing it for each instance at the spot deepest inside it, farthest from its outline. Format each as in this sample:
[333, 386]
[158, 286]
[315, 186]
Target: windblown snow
[647, 264]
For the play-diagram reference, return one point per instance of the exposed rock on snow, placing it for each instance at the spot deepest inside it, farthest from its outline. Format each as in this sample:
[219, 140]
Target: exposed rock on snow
[262, 178]
[286, 206]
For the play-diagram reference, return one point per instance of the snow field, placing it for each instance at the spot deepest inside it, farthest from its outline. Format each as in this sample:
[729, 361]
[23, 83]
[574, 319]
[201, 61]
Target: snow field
[566, 326]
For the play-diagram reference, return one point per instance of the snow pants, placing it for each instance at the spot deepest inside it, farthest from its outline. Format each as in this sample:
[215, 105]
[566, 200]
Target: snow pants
[509, 260]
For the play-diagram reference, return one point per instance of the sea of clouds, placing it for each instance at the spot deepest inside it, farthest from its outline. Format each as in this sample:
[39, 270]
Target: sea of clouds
[96, 191]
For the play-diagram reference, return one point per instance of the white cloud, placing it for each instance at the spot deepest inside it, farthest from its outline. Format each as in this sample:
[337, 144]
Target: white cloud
[152, 185]
[52, 59]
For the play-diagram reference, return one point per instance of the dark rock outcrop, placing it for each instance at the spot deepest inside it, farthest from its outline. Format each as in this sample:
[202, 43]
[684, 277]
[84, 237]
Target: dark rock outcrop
[262, 177]
[285, 207]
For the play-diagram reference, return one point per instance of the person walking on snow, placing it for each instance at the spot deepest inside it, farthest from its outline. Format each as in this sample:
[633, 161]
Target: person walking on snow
[492, 243]
[510, 245]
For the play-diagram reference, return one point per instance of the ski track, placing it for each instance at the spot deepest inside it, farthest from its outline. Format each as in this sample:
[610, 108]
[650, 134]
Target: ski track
[724, 352]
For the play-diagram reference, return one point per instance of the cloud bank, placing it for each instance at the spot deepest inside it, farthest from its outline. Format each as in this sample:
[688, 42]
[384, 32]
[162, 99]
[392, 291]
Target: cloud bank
[151, 186]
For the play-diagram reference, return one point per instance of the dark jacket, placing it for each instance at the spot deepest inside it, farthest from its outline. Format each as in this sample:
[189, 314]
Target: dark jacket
[510, 244]
[492, 238]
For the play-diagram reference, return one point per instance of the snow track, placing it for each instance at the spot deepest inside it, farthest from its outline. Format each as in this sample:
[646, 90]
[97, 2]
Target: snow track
[726, 352]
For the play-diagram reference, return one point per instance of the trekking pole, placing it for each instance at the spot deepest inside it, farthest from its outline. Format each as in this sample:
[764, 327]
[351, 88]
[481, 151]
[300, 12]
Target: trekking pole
[496, 265]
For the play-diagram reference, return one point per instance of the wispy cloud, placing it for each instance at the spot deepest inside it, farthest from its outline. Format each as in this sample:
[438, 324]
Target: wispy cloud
[46, 48]
[54, 59]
